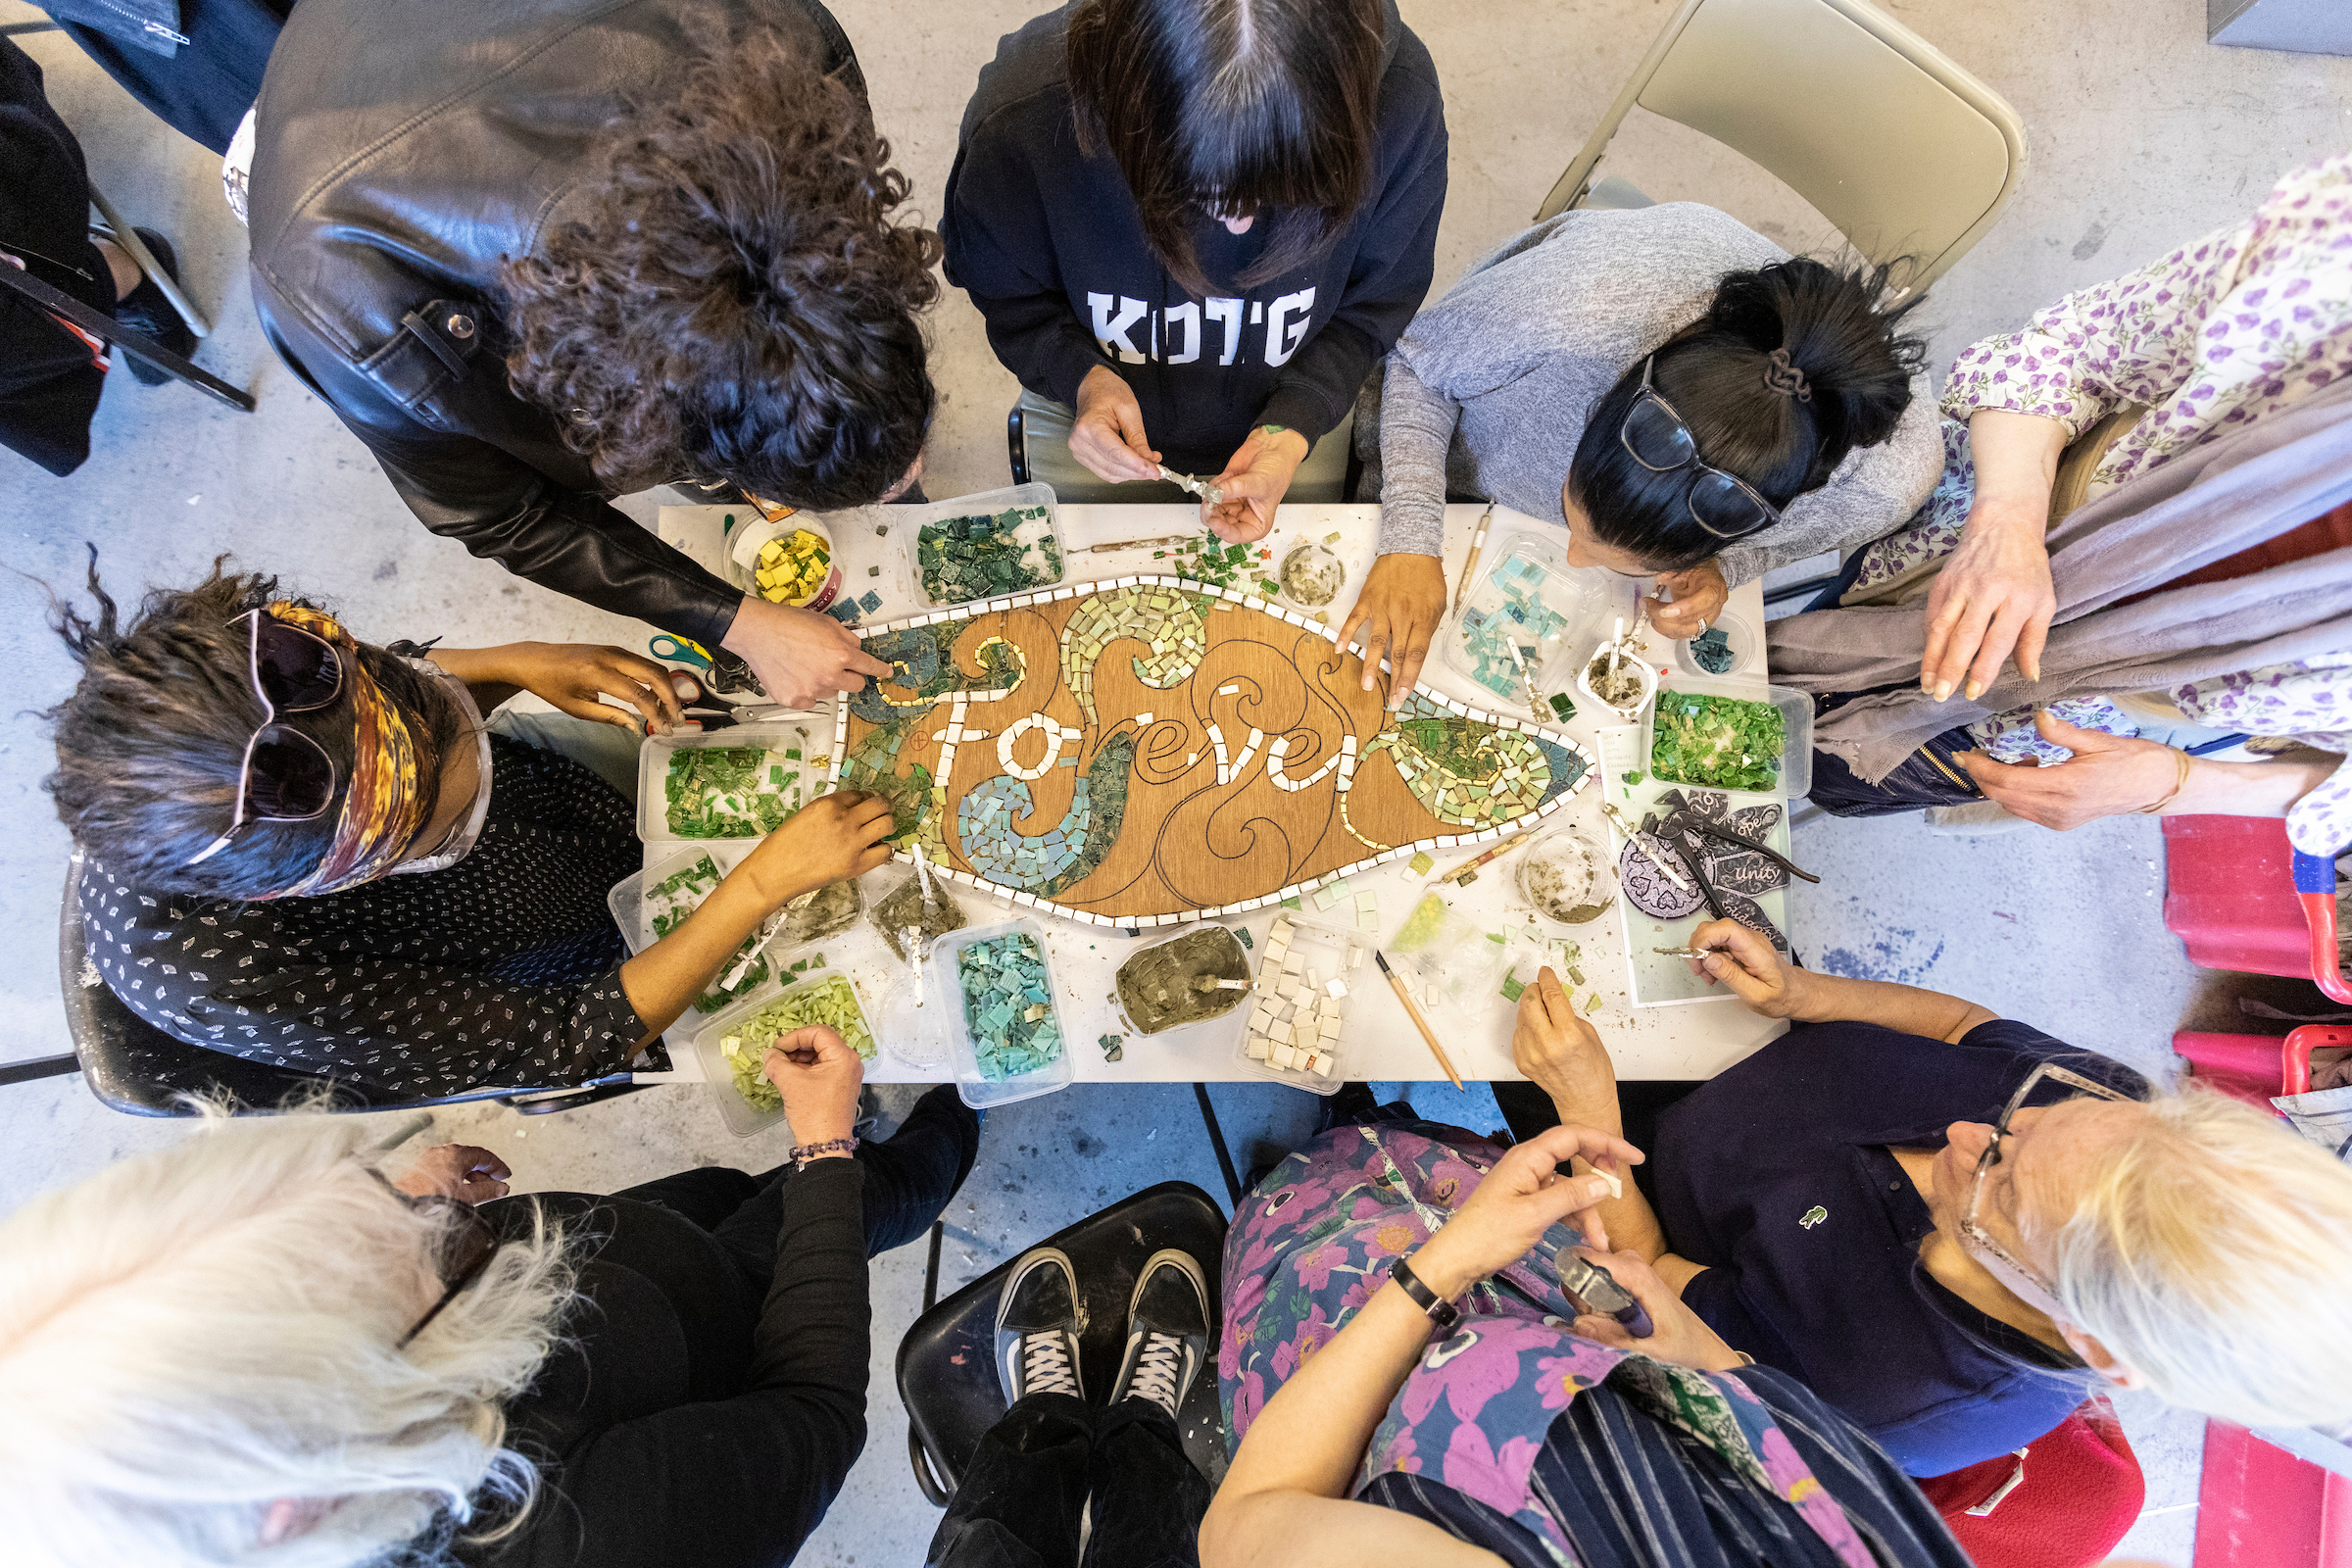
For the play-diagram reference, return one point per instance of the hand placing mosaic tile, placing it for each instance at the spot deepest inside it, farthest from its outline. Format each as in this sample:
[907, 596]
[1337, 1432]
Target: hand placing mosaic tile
[1144, 752]
[1298, 1007]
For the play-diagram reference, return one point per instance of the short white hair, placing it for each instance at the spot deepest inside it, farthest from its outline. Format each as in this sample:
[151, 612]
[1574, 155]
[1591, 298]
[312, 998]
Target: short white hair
[193, 1335]
[2212, 1252]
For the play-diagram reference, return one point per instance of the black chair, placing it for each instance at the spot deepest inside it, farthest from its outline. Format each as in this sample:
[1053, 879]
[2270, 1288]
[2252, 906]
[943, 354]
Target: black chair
[948, 1361]
[136, 1068]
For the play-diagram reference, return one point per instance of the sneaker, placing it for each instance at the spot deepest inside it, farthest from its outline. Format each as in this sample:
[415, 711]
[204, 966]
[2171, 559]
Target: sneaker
[145, 310]
[1038, 1327]
[1167, 1333]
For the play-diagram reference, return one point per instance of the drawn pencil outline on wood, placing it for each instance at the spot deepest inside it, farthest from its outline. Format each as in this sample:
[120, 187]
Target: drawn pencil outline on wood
[1146, 751]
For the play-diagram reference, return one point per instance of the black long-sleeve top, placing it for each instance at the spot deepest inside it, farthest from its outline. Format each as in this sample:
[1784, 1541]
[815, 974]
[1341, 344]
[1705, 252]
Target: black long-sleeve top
[503, 969]
[1051, 247]
[696, 1417]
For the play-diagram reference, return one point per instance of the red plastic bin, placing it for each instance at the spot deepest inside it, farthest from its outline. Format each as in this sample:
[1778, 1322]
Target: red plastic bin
[2241, 897]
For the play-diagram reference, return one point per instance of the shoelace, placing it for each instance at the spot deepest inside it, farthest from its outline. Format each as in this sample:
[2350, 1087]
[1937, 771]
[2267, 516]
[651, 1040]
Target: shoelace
[1156, 1370]
[1046, 1364]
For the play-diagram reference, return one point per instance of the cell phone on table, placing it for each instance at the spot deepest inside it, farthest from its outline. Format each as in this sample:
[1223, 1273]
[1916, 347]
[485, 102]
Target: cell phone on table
[1594, 1289]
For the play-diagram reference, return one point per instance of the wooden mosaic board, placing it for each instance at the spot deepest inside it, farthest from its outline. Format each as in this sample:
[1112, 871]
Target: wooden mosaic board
[1146, 751]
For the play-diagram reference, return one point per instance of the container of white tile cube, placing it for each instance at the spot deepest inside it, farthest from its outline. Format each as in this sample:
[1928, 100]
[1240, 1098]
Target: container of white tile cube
[1309, 972]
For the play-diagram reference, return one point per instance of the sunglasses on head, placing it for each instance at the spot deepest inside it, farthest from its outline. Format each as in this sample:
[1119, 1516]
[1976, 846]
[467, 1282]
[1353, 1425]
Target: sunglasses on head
[1656, 436]
[286, 776]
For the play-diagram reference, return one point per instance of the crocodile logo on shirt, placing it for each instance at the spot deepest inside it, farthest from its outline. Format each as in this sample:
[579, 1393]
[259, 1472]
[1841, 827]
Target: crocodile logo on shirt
[1812, 1217]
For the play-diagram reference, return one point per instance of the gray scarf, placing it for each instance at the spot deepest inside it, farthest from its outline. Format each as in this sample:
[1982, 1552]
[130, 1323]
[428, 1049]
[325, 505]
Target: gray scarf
[2206, 504]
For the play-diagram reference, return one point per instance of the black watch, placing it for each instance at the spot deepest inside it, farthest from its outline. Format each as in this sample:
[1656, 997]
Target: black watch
[1440, 1311]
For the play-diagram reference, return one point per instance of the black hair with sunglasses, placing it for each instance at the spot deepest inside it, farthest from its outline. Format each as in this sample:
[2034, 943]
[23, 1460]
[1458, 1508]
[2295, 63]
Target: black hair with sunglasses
[1757, 432]
[153, 744]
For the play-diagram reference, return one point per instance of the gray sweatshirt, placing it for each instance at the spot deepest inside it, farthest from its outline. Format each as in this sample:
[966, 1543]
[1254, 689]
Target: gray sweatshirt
[1487, 391]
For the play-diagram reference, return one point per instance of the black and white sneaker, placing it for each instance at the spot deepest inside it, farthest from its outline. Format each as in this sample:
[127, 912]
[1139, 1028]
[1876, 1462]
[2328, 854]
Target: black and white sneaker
[1038, 1327]
[1167, 1332]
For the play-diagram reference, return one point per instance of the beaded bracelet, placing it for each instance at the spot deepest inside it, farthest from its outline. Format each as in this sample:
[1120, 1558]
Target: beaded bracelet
[802, 1154]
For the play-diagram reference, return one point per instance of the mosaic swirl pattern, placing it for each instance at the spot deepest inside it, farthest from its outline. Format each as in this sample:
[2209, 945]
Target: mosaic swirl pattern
[1144, 751]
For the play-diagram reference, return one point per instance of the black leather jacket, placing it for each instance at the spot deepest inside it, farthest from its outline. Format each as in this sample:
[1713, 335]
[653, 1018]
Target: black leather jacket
[403, 149]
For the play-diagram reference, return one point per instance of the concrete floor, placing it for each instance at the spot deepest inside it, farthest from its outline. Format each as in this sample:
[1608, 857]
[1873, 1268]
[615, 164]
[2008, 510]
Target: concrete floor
[2141, 136]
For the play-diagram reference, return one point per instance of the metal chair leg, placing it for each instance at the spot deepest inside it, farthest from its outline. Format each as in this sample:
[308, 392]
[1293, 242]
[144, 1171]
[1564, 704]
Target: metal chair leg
[24, 1072]
[1017, 444]
[1216, 1140]
[128, 238]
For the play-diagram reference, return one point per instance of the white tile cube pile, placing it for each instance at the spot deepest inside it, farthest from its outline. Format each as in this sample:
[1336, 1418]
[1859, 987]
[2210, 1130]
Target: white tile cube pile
[1303, 982]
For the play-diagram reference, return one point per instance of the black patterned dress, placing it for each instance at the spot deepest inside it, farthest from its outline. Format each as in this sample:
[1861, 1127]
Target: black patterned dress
[501, 970]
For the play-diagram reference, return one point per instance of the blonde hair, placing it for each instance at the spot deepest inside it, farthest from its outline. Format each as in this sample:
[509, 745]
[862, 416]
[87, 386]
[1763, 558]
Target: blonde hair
[191, 1336]
[2213, 1254]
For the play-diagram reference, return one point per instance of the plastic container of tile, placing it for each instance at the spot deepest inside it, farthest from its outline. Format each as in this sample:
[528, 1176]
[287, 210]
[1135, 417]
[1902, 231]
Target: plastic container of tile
[1526, 594]
[780, 735]
[1795, 768]
[975, 1091]
[1738, 635]
[743, 1118]
[1047, 565]
[1332, 953]
[746, 540]
[631, 913]
[1226, 1026]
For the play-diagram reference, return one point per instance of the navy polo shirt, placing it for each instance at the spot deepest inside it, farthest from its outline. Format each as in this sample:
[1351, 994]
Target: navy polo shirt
[1778, 1176]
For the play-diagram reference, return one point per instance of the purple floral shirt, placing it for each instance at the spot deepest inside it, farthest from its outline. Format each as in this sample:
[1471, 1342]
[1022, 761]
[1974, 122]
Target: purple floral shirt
[1316, 1240]
[2217, 336]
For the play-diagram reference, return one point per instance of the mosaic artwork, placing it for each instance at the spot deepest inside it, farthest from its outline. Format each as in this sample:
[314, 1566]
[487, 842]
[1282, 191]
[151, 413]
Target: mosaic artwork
[1147, 749]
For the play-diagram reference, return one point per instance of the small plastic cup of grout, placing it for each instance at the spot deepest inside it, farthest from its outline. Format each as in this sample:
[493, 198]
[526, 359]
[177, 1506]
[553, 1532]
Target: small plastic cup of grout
[1312, 578]
[1567, 878]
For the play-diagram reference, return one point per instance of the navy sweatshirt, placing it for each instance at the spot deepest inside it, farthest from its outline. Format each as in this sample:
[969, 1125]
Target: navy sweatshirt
[1051, 248]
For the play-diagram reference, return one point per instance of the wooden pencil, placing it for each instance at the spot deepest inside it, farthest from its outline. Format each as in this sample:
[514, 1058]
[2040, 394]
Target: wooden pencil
[1413, 1010]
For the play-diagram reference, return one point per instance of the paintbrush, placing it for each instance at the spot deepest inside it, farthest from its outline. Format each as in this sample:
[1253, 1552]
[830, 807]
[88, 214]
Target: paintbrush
[1478, 543]
[1655, 857]
[1460, 874]
[1413, 1010]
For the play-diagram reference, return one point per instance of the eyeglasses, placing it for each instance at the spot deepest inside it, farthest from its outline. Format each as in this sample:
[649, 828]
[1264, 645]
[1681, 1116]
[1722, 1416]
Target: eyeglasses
[466, 1249]
[286, 776]
[1654, 435]
[2009, 1269]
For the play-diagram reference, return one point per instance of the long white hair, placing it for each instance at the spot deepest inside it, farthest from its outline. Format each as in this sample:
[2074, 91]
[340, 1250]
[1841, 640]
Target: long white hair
[193, 1335]
[2212, 1252]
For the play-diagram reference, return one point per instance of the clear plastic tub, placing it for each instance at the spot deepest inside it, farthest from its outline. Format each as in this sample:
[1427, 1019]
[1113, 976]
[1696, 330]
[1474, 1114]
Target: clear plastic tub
[1046, 565]
[1796, 764]
[743, 1118]
[1557, 608]
[1210, 1031]
[634, 914]
[781, 736]
[1568, 878]
[941, 966]
[1330, 952]
[1738, 635]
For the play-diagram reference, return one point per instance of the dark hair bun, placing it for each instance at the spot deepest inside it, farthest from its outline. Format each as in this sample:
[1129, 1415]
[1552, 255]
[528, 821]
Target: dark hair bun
[1748, 415]
[1857, 372]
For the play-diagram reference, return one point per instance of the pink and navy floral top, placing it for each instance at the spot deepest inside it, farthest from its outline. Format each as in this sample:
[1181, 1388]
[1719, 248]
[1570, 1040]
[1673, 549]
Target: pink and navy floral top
[1316, 1238]
[2219, 334]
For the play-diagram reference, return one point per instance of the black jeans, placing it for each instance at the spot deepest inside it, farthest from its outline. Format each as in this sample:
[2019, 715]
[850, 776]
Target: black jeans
[910, 1176]
[1020, 1501]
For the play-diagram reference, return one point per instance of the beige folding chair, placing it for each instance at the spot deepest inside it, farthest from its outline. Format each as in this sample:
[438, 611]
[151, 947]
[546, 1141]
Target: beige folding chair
[1908, 155]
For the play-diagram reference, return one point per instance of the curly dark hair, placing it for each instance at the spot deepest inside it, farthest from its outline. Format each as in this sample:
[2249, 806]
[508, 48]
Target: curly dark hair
[151, 745]
[726, 296]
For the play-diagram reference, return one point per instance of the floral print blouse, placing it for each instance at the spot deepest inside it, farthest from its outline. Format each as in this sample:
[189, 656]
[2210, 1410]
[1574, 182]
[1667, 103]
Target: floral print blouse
[1312, 1243]
[2217, 335]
